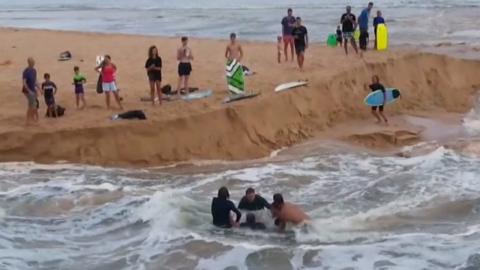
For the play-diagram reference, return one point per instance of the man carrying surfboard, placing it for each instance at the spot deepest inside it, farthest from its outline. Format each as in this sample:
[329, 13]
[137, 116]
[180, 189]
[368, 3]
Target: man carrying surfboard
[376, 85]
[349, 23]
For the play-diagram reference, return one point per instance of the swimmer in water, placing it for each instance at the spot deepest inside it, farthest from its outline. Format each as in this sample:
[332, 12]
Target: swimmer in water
[221, 209]
[285, 212]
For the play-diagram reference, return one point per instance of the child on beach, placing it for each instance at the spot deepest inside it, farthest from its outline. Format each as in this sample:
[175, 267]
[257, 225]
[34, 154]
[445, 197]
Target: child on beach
[339, 36]
[376, 85]
[108, 70]
[49, 89]
[184, 57]
[79, 80]
[279, 48]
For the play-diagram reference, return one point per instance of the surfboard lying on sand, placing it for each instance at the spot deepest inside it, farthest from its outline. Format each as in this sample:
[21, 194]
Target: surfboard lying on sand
[234, 98]
[376, 98]
[290, 85]
[198, 95]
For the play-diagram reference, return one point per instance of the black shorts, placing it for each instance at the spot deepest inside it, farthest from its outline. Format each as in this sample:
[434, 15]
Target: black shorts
[380, 108]
[50, 101]
[155, 76]
[299, 48]
[184, 69]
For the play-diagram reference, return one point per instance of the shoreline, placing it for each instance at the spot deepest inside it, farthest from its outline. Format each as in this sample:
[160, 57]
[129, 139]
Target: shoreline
[206, 129]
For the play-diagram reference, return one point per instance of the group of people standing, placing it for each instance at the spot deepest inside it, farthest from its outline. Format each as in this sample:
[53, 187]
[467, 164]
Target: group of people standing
[348, 25]
[282, 212]
[295, 36]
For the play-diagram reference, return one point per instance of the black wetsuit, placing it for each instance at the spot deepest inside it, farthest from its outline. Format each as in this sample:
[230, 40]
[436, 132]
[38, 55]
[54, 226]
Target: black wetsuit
[221, 212]
[258, 203]
[374, 87]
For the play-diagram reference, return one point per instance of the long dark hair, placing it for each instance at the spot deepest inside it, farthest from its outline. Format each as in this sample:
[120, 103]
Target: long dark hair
[223, 193]
[150, 52]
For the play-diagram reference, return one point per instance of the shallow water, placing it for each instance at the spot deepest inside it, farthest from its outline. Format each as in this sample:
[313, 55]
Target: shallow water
[410, 21]
[368, 211]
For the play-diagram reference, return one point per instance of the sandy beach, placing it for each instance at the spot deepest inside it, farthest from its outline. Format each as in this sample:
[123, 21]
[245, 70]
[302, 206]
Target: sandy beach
[206, 129]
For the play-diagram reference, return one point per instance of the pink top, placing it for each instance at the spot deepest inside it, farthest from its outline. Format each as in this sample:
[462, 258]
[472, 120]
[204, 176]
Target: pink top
[108, 73]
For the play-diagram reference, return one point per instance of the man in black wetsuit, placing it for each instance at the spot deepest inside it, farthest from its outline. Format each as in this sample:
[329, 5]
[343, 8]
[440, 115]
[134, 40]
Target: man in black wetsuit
[221, 207]
[252, 201]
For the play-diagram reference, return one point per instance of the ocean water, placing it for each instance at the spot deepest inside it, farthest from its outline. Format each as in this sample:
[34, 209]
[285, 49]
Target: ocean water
[368, 212]
[410, 21]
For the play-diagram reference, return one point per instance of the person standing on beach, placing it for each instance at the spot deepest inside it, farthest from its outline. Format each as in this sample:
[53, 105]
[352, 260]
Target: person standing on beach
[288, 23]
[49, 90]
[376, 21]
[184, 57]
[376, 85]
[153, 65]
[78, 81]
[363, 25]
[279, 49]
[349, 23]
[108, 70]
[300, 35]
[29, 89]
[234, 49]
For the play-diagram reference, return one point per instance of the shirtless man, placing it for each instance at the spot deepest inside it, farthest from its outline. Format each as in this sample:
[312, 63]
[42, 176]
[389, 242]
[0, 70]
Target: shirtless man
[285, 212]
[184, 58]
[234, 49]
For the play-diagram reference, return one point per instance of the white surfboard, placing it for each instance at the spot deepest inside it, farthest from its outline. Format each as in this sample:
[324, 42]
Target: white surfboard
[198, 95]
[290, 85]
[99, 59]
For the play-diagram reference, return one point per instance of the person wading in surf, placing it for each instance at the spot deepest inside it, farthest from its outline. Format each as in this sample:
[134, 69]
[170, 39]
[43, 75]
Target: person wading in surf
[285, 212]
[221, 209]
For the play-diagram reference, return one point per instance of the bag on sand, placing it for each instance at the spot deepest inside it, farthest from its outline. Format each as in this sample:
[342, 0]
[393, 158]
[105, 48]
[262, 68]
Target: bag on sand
[58, 112]
[135, 114]
[99, 85]
[167, 89]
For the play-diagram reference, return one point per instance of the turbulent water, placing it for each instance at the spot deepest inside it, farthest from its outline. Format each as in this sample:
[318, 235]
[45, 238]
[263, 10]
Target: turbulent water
[410, 21]
[368, 212]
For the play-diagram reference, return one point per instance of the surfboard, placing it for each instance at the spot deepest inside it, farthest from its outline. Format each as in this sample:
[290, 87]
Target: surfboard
[234, 98]
[290, 85]
[235, 77]
[198, 95]
[99, 60]
[382, 37]
[356, 35]
[332, 40]
[376, 98]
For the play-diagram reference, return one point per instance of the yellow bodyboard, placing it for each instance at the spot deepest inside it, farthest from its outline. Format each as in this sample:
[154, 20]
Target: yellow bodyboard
[382, 37]
[356, 35]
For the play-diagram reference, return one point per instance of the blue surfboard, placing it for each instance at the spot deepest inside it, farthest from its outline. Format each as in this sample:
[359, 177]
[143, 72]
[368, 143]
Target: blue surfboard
[376, 98]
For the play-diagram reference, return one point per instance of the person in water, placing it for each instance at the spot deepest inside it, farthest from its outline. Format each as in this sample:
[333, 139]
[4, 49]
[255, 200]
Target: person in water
[221, 209]
[153, 65]
[49, 90]
[376, 85]
[234, 49]
[78, 81]
[252, 201]
[108, 70]
[376, 21]
[349, 23]
[252, 223]
[184, 57]
[285, 212]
